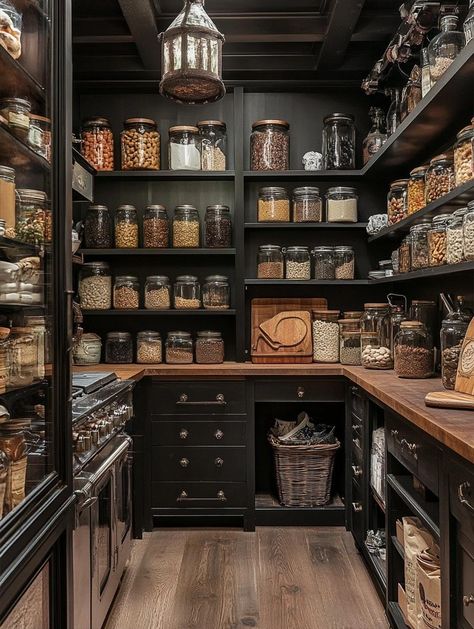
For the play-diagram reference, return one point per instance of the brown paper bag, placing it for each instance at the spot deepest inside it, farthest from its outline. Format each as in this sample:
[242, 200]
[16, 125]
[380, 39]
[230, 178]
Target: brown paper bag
[428, 589]
[416, 540]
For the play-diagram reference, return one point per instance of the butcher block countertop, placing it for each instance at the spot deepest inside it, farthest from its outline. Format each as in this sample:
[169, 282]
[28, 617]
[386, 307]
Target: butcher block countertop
[454, 429]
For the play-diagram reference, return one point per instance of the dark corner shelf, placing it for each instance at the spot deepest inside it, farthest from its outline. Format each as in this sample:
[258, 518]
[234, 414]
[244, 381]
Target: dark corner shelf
[80, 159]
[424, 510]
[436, 271]
[379, 567]
[17, 80]
[270, 512]
[4, 307]
[17, 154]
[305, 226]
[154, 252]
[296, 175]
[377, 499]
[168, 175]
[18, 245]
[159, 313]
[398, 547]
[260, 282]
[396, 615]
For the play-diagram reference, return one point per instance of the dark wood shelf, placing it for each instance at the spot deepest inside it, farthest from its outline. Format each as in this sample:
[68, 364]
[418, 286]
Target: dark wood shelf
[377, 499]
[270, 512]
[306, 226]
[16, 154]
[445, 269]
[295, 175]
[160, 313]
[11, 243]
[379, 567]
[260, 282]
[157, 252]
[17, 80]
[168, 175]
[424, 510]
[11, 396]
[396, 615]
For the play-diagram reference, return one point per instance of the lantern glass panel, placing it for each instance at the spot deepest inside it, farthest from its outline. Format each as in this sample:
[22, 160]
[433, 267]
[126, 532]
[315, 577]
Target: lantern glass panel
[206, 54]
[193, 51]
[166, 57]
[214, 56]
[177, 53]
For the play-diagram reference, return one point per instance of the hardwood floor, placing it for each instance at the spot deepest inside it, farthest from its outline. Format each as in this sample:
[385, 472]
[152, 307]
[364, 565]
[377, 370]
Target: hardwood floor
[287, 578]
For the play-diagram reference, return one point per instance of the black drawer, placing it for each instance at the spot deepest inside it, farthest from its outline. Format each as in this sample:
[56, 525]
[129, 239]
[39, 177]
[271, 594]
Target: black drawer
[411, 447]
[294, 390]
[461, 496]
[198, 398]
[358, 401]
[465, 594]
[185, 432]
[218, 463]
[188, 495]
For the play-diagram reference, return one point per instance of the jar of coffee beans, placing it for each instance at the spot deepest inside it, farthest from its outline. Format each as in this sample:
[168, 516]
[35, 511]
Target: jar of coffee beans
[397, 201]
[186, 227]
[307, 205]
[437, 240]
[187, 293]
[416, 190]
[324, 263]
[156, 230]
[419, 245]
[464, 156]
[270, 145]
[126, 227]
[218, 227]
[216, 293]
[157, 292]
[118, 348]
[209, 348]
[98, 232]
[95, 286]
[126, 292]
[270, 262]
[298, 263]
[273, 205]
[344, 260]
[140, 141]
[414, 355]
[149, 348]
[98, 143]
[179, 348]
[439, 177]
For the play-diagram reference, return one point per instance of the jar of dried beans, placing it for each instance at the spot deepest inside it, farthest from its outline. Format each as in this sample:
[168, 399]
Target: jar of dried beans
[187, 293]
[270, 262]
[419, 245]
[218, 227]
[98, 143]
[344, 263]
[156, 227]
[213, 136]
[126, 227]
[209, 348]
[186, 227]
[179, 348]
[270, 145]
[216, 293]
[325, 336]
[95, 286]
[149, 348]
[98, 228]
[33, 217]
[439, 177]
[397, 201]
[307, 205]
[298, 263]
[140, 142]
[119, 348]
[126, 292]
[437, 240]
[464, 156]
[416, 189]
[273, 205]
[157, 292]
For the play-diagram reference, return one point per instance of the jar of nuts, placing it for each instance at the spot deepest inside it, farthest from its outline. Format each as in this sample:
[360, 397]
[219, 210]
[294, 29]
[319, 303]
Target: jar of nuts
[416, 189]
[273, 205]
[149, 348]
[404, 255]
[344, 260]
[179, 348]
[454, 237]
[307, 205]
[414, 355]
[216, 293]
[126, 227]
[270, 145]
[437, 240]
[298, 263]
[464, 156]
[156, 227]
[186, 227]
[157, 292]
[140, 142]
[374, 353]
[98, 228]
[397, 201]
[419, 245]
[34, 221]
[218, 227]
[468, 232]
[126, 292]
[98, 143]
[439, 177]
[183, 148]
[209, 348]
[95, 286]
[270, 262]
[324, 263]
[187, 293]
[213, 136]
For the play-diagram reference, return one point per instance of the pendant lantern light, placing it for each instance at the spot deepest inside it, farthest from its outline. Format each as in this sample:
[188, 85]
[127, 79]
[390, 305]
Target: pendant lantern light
[192, 57]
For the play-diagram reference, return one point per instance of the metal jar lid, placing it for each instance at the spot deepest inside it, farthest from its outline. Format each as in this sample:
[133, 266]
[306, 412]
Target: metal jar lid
[270, 247]
[149, 334]
[338, 116]
[6, 171]
[211, 123]
[179, 334]
[187, 278]
[419, 170]
[159, 279]
[126, 278]
[341, 190]
[99, 208]
[96, 122]
[157, 206]
[185, 208]
[221, 279]
[344, 248]
[26, 194]
[299, 248]
[305, 190]
[271, 190]
[96, 265]
[399, 183]
[16, 101]
[218, 208]
[119, 336]
[209, 334]
[280, 123]
[183, 129]
[323, 249]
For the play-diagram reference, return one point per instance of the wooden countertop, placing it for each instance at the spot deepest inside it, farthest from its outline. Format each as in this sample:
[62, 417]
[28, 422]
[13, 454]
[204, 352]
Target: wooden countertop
[454, 429]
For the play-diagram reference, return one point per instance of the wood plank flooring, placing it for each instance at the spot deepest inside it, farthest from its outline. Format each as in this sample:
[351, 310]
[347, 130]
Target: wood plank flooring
[286, 578]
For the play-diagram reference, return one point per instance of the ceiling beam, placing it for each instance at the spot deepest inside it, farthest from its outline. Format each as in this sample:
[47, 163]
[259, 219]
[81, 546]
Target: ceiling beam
[342, 22]
[141, 21]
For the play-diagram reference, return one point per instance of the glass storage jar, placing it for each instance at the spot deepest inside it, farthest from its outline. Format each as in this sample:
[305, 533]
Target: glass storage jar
[341, 205]
[325, 336]
[140, 142]
[209, 348]
[349, 350]
[270, 145]
[307, 205]
[297, 263]
[339, 142]
[95, 286]
[453, 331]
[16, 112]
[22, 357]
[270, 262]
[353, 314]
[213, 136]
[186, 227]
[216, 293]
[397, 315]
[411, 96]
[97, 143]
[464, 156]
[34, 223]
[397, 201]
[468, 232]
[454, 239]
[187, 293]
[437, 240]
[439, 177]
[37, 327]
[98, 228]
[374, 354]
[419, 245]
[118, 348]
[324, 263]
[376, 137]
[416, 190]
[349, 325]
[376, 318]
[183, 148]
[149, 348]
[445, 47]
[126, 292]
[126, 227]
[87, 349]
[39, 136]
[394, 257]
[179, 348]
[424, 310]
[10, 35]
[156, 229]
[157, 292]
[344, 261]
[14, 448]
[218, 227]
[468, 26]
[273, 205]
[4, 365]
[7, 199]
[414, 355]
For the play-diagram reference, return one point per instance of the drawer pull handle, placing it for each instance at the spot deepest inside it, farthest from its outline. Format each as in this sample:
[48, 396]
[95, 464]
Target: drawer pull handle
[357, 507]
[300, 392]
[411, 447]
[394, 433]
[354, 390]
[183, 497]
[468, 600]
[356, 442]
[219, 434]
[356, 426]
[219, 462]
[184, 462]
[184, 401]
[183, 433]
[357, 470]
[464, 493]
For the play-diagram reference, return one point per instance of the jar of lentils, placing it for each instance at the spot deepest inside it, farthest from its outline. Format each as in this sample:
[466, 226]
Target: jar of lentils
[209, 348]
[179, 348]
[414, 355]
[468, 232]
[98, 232]
[437, 240]
[126, 227]
[307, 205]
[149, 348]
[95, 286]
[419, 245]
[126, 292]
[464, 156]
[270, 145]
[349, 349]
[34, 223]
[218, 227]
[213, 136]
[344, 263]
[324, 263]
[157, 292]
[97, 143]
[140, 141]
[454, 238]
[397, 201]
[187, 293]
[183, 148]
[416, 190]
[404, 255]
[186, 227]
[270, 262]
[325, 336]
[118, 348]
[439, 177]
[273, 205]
[298, 263]
[156, 229]
[216, 293]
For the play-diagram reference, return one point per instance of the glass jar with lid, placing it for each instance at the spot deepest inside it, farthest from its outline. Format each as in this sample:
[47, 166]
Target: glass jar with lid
[414, 355]
[376, 137]
[39, 136]
[374, 353]
[437, 240]
[87, 349]
[187, 293]
[149, 348]
[454, 237]
[22, 357]
[349, 325]
[439, 177]
[325, 336]
[270, 262]
[140, 141]
[397, 201]
[419, 245]
[468, 26]
[7, 196]
[4, 364]
[209, 348]
[416, 190]
[126, 227]
[353, 314]
[183, 148]
[95, 286]
[468, 232]
[298, 263]
[426, 83]
[341, 206]
[273, 205]
[10, 34]
[213, 136]
[179, 348]
[394, 257]
[445, 47]
[156, 229]
[157, 292]
[453, 331]
[218, 227]
[376, 318]
[126, 292]
[324, 263]
[339, 142]
[97, 143]
[270, 145]
[14, 448]
[216, 293]
[344, 262]
[424, 310]
[349, 350]
[411, 94]
[33, 217]
[98, 233]
[464, 156]
[37, 325]
[16, 112]
[307, 205]
[119, 348]
[397, 316]
[186, 227]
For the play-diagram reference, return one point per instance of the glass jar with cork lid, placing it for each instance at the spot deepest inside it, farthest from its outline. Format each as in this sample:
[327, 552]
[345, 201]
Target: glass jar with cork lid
[270, 145]
[414, 355]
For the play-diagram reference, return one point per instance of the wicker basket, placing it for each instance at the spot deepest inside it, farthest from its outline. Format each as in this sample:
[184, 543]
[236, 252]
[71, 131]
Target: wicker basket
[304, 473]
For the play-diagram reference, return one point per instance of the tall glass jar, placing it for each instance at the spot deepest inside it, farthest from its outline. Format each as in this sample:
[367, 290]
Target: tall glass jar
[469, 23]
[209, 348]
[33, 217]
[397, 316]
[126, 292]
[349, 350]
[468, 232]
[149, 348]
[424, 310]
[218, 227]
[376, 137]
[98, 228]
[140, 140]
[397, 201]
[119, 348]
[183, 148]
[23, 357]
[339, 142]
[416, 190]
[270, 262]
[7, 195]
[439, 177]
[374, 353]
[414, 355]
[16, 112]
[453, 331]
[376, 318]
[179, 348]
[157, 292]
[341, 205]
[216, 293]
[445, 47]
[37, 327]
[187, 293]
[344, 263]
[97, 143]
[454, 239]
[325, 336]
[95, 286]
[156, 229]
[126, 227]
[464, 156]
[270, 145]
[419, 245]
[307, 205]
[213, 136]
[186, 227]
[393, 113]
[324, 263]
[273, 205]
[437, 239]
[411, 96]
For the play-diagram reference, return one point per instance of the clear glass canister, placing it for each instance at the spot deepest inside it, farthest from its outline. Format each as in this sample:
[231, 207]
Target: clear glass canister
[23, 357]
[34, 223]
[213, 136]
[179, 348]
[187, 293]
[183, 148]
[339, 142]
[394, 257]
[209, 348]
[140, 140]
[374, 354]
[95, 286]
[186, 227]
[298, 263]
[97, 143]
[126, 292]
[157, 292]
[411, 96]
[397, 206]
[10, 32]
[439, 177]
[424, 310]
[419, 245]
[156, 229]
[16, 112]
[445, 47]
[39, 136]
[149, 347]
[270, 262]
[349, 350]
[353, 314]
[273, 205]
[414, 355]
[376, 318]
[126, 227]
[468, 232]
[4, 364]
[416, 190]
[98, 232]
[453, 331]
[7, 197]
[464, 156]
[325, 336]
[307, 205]
[87, 349]
[218, 227]
[270, 145]
[38, 328]
[324, 263]
[119, 348]
[341, 205]
[468, 26]
[454, 240]
[437, 240]
[349, 325]
[344, 259]
[216, 293]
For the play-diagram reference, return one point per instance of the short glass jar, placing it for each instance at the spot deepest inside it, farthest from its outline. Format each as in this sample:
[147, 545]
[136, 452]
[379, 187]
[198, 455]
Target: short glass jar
[156, 228]
[297, 263]
[87, 349]
[218, 227]
[16, 112]
[157, 292]
[118, 348]
[376, 318]
[307, 205]
[424, 310]
[22, 357]
[34, 222]
[397, 206]
[209, 348]
[404, 255]
[179, 348]
[468, 232]
[414, 355]
[216, 293]
[97, 143]
[339, 142]
[374, 354]
[183, 148]
[270, 145]
[39, 136]
[437, 240]
[140, 141]
[213, 136]
[341, 205]
[270, 262]
[126, 292]
[419, 245]
[453, 331]
[187, 293]
[98, 233]
[95, 286]
[445, 47]
[273, 205]
[344, 261]
[439, 177]
[455, 239]
[186, 227]
[416, 190]
[464, 156]
[149, 348]
[349, 349]
[126, 227]
[324, 263]
[325, 336]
